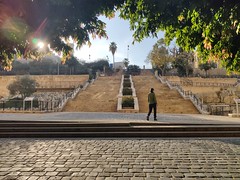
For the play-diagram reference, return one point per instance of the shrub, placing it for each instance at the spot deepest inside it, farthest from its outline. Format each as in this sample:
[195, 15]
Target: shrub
[126, 81]
[128, 102]
[126, 84]
[126, 76]
[127, 91]
[133, 70]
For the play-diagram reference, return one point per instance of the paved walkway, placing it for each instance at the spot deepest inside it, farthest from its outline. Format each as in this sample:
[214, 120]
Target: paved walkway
[116, 117]
[120, 159]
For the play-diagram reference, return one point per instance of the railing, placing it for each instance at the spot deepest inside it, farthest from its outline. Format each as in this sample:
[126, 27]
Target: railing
[216, 109]
[212, 84]
[221, 109]
[39, 104]
[186, 95]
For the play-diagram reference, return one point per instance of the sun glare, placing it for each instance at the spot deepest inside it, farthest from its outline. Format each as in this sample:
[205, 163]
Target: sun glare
[40, 45]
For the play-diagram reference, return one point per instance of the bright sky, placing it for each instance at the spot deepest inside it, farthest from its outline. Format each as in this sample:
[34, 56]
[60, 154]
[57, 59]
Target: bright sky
[118, 31]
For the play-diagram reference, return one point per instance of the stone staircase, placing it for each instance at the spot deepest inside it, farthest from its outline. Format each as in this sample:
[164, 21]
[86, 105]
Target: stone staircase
[71, 129]
[100, 96]
[169, 100]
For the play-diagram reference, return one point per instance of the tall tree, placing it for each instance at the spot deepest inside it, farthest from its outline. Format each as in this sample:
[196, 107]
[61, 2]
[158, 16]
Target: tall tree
[183, 63]
[126, 62]
[160, 56]
[113, 49]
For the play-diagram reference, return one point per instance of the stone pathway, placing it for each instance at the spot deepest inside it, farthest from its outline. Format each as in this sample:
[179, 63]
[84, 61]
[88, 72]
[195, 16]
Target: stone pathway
[120, 117]
[120, 159]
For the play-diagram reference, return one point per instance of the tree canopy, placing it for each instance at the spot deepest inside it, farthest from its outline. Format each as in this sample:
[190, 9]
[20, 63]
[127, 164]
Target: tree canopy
[24, 86]
[160, 56]
[209, 26]
[25, 24]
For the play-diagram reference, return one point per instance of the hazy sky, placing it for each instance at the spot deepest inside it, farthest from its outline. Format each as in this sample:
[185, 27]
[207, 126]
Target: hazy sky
[118, 31]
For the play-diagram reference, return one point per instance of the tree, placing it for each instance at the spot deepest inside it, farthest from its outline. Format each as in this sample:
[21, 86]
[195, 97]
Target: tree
[207, 66]
[73, 64]
[113, 49]
[160, 56]
[212, 27]
[183, 63]
[20, 68]
[24, 86]
[24, 25]
[133, 70]
[126, 62]
[100, 65]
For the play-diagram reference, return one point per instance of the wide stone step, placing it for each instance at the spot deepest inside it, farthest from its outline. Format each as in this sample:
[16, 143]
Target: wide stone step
[49, 129]
[175, 134]
[119, 128]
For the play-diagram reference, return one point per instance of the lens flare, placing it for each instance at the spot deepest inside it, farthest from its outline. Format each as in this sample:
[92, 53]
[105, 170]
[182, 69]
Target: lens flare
[14, 29]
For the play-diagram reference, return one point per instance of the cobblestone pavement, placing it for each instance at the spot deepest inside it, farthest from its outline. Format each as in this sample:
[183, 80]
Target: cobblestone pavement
[120, 159]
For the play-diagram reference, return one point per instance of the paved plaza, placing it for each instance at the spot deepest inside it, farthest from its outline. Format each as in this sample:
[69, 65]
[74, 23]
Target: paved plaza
[119, 158]
[121, 117]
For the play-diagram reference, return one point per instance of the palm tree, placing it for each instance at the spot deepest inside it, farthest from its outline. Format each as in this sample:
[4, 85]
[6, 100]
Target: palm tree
[113, 48]
[126, 62]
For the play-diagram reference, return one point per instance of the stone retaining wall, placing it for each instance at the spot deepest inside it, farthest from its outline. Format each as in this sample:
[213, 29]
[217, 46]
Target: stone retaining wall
[46, 81]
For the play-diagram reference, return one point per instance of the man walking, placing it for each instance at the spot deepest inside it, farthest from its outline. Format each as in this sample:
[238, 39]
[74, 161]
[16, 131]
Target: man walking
[152, 101]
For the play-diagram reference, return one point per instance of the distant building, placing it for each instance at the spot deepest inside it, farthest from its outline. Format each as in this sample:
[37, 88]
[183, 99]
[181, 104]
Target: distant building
[119, 65]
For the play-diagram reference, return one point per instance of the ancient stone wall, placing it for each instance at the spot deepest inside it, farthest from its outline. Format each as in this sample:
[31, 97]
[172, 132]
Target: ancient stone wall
[45, 81]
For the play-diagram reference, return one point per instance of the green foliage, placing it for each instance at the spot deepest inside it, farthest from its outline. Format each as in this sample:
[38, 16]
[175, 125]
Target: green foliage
[211, 27]
[207, 66]
[127, 91]
[128, 102]
[20, 68]
[127, 84]
[98, 65]
[126, 80]
[24, 86]
[51, 65]
[133, 70]
[183, 63]
[160, 56]
[28, 22]
[113, 49]
[126, 62]
[126, 76]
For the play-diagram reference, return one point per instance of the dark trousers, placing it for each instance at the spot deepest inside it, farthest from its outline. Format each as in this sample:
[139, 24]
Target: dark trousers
[154, 107]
